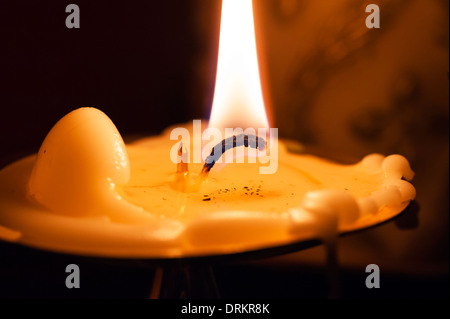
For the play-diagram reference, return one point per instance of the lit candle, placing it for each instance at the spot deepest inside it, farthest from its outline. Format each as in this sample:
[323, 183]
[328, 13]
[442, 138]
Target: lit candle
[88, 193]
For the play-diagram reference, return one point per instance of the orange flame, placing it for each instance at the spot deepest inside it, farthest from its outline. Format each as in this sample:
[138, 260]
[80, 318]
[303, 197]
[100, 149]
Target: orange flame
[238, 100]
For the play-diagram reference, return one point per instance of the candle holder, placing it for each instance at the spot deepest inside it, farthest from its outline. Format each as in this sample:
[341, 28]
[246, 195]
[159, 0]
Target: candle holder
[192, 275]
[166, 278]
[99, 197]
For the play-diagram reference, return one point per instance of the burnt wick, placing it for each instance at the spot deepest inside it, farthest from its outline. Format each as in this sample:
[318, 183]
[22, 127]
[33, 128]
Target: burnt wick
[252, 141]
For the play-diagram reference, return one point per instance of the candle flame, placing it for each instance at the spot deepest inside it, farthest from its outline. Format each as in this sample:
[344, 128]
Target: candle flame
[238, 100]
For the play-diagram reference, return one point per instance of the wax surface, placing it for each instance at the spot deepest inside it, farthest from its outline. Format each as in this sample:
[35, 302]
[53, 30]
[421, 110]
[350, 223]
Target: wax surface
[139, 213]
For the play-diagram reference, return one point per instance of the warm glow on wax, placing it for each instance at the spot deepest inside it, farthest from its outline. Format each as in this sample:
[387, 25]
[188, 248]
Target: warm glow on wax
[88, 193]
[238, 99]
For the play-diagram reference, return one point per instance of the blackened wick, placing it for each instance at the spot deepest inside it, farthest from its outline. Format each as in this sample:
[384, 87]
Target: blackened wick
[232, 142]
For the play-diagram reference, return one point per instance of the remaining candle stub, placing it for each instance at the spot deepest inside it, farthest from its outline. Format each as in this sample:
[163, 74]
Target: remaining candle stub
[87, 193]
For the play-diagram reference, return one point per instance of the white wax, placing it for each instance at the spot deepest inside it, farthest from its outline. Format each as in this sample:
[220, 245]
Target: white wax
[87, 193]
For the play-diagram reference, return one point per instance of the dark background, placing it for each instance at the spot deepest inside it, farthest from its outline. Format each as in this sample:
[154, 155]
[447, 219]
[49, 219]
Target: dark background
[329, 82]
[134, 61]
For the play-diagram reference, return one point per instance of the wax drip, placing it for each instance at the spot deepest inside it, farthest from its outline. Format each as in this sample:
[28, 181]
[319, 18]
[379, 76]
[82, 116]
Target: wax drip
[229, 143]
